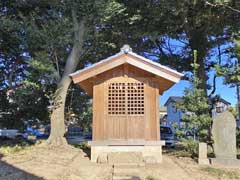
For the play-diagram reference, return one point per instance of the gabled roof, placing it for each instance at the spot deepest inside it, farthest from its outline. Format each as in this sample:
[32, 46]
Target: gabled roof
[126, 56]
[173, 99]
[224, 101]
[147, 65]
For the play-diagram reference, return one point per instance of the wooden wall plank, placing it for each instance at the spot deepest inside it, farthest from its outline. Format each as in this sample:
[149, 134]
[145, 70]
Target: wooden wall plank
[125, 127]
[135, 127]
[157, 112]
[98, 111]
[116, 128]
[151, 130]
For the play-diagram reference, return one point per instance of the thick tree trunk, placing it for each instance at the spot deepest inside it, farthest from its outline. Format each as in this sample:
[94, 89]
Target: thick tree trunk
[56, 137]
[198, 42]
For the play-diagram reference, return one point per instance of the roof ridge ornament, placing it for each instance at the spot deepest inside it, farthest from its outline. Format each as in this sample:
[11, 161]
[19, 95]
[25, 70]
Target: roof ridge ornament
[126, 49]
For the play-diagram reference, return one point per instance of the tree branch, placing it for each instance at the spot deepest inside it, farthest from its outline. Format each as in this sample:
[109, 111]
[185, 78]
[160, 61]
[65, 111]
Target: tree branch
[223, 5]
[73, 58]
[57, 65]
[10, 81]
[214, 86]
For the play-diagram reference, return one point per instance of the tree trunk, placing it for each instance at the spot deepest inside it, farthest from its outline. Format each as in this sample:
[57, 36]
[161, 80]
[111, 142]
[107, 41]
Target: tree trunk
[56, 137]
[198, 42]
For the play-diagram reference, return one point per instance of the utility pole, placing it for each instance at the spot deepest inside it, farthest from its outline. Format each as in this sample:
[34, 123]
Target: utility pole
[238, 100]
[238, 89]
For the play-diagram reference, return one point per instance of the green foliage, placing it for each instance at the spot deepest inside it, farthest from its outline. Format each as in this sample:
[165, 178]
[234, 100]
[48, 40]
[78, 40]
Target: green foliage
[36, 38]
[112, 9]
[187, 22]
[231, 70]
[79, 108]
[196, 108]
[180, 134]
[231, 73]
[195, 103]
[191, 147]
[186, 148]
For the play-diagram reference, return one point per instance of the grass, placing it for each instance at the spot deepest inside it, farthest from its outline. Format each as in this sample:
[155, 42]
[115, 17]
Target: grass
[179, 150]
[220, 173]
[187, 149]
[149, 178]
[12, 146]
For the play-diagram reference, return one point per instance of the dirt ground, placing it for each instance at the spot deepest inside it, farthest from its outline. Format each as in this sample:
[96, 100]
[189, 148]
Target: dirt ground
[72, 164]
[52, 164]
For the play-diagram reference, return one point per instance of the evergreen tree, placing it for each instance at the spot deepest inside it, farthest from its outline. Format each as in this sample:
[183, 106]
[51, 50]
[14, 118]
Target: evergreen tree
[196, 109]
[41, 42]
[231, 69]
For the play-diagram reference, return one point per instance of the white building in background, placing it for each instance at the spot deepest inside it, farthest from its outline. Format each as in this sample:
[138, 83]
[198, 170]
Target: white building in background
[221, 106]
[175, 116]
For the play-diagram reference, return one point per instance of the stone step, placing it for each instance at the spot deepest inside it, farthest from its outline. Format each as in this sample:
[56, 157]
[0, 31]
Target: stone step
[126, 171]
[124, 165]
[122, 178]
[125, 157]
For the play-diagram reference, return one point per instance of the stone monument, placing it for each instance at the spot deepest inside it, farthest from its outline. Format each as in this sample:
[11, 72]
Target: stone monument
[202, 154]
[224, 137]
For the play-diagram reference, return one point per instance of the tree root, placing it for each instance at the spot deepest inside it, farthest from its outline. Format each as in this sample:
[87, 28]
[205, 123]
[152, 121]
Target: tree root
[55, 142]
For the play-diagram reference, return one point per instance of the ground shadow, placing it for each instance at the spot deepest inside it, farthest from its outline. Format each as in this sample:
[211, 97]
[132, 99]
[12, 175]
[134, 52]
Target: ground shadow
[87, 151]
[85, 148]
[10, 172]
[135, 178]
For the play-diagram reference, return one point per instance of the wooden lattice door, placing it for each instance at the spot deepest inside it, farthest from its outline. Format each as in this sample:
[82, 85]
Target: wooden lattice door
[125, 110]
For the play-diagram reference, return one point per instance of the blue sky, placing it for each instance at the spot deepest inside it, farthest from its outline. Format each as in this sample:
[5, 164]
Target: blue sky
[224, 91]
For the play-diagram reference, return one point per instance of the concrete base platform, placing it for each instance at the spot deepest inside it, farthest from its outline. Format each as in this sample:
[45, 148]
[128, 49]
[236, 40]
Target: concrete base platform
[203, 161]
[232, 163]
[129, 152]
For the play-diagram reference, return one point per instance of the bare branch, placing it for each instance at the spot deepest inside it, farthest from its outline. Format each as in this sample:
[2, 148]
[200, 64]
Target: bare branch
[57, 65]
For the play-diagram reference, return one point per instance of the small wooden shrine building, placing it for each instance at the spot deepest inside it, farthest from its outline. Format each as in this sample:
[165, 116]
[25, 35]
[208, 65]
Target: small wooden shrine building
[125, 89]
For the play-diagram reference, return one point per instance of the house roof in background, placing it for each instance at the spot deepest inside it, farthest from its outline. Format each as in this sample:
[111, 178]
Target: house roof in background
[224, 101]
[179, 99]
[173, 99]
